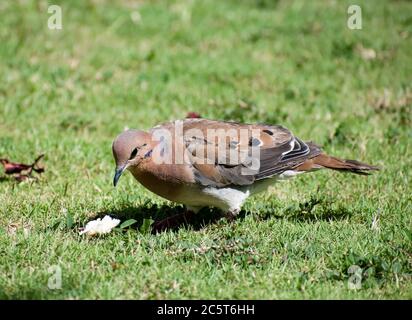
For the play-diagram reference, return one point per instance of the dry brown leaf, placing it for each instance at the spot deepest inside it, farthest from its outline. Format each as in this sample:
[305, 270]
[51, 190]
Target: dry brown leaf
[193, 115]
[22, 171]
[366, 53]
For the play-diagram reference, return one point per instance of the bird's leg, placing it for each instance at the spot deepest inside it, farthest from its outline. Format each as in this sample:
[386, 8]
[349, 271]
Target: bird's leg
[231, 214]
[173, 221]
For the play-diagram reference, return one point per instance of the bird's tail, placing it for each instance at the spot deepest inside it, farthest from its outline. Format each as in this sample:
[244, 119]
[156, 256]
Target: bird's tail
[324, 161]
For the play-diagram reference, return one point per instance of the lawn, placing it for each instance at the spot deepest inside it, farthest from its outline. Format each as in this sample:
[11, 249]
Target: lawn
[68, 93]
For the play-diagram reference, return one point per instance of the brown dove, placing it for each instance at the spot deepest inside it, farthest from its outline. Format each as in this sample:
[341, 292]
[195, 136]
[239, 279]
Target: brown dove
[201, 163]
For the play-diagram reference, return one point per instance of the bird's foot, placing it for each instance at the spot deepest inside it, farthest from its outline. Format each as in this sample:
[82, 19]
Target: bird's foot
[172, 222]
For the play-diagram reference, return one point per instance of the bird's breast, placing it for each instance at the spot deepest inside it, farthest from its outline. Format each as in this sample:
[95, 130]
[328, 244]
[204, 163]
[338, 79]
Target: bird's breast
[165, 184]
[166, 189]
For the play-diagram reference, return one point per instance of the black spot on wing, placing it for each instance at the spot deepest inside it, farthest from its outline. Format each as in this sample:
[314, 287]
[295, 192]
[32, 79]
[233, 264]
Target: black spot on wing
[268, 132]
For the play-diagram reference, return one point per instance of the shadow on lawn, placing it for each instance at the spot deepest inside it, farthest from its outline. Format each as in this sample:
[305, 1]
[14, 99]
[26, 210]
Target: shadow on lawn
[304, 212]
[157, 213]
[3, 179]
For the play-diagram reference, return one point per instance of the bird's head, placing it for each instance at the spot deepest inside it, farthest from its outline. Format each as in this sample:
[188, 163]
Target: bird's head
[129, 149]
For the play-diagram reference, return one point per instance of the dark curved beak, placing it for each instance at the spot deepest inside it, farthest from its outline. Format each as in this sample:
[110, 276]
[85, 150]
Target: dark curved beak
[118, 174]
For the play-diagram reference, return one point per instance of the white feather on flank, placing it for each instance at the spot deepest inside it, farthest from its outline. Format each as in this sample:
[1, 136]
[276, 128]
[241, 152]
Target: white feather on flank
[289, 174]
[231, 197]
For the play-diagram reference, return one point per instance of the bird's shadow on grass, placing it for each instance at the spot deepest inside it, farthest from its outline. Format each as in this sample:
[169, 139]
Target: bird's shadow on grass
[206, 216]
[4, 179]
[303, 212]
[312, 210]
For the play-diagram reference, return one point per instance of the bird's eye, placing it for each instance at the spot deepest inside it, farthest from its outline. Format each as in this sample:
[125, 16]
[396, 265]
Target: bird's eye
[133, 154]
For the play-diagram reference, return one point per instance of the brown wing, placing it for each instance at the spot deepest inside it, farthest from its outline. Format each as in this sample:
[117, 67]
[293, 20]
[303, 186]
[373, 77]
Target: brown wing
[221, 153]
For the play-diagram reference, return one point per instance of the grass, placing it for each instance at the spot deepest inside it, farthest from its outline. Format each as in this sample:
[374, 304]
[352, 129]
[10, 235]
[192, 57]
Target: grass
[68, 93]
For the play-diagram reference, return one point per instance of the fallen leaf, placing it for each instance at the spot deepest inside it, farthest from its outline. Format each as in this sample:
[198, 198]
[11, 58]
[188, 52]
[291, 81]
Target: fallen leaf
[12, 167]
[21, 171]
[193, 115]
[23, 177]
[13, 228]
[115, 266]
[366, 53]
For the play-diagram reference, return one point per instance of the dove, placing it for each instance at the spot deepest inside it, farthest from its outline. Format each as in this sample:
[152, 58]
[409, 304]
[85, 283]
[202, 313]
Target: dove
[208, 163]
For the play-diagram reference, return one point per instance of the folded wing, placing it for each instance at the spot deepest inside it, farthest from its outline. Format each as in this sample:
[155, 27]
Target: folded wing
[222, 153]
